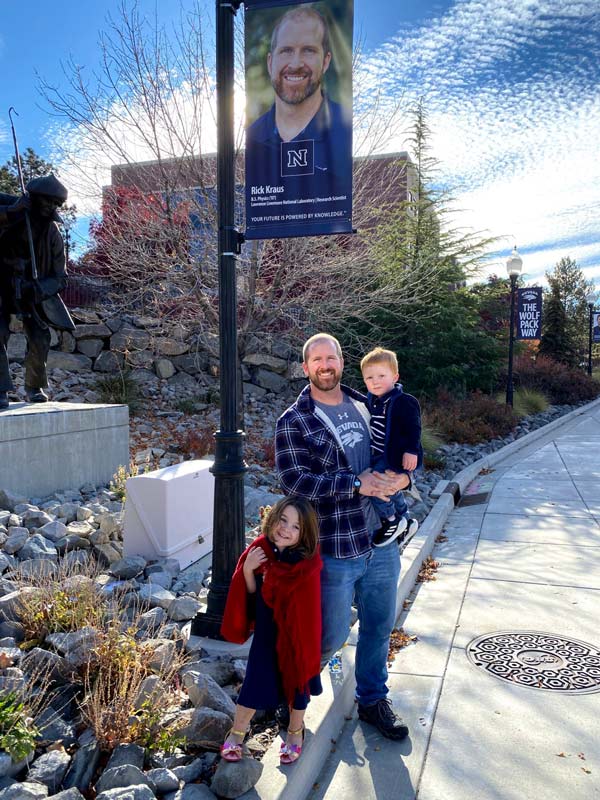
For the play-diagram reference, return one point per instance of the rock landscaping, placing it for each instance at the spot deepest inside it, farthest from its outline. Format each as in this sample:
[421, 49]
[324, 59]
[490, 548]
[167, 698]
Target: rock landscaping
[101, 693]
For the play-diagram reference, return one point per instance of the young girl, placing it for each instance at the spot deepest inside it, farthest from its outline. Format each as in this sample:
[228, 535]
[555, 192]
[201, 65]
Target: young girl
[276, 591]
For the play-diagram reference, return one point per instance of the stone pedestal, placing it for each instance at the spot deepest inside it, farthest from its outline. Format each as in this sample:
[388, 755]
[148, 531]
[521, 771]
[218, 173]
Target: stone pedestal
[49, 447]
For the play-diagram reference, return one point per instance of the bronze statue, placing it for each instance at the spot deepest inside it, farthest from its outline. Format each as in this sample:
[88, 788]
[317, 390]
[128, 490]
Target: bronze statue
[32, 272]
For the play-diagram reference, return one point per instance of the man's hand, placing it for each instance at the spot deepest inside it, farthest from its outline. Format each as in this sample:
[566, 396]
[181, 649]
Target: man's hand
[378, 484]
[399, 479]
[409, 462]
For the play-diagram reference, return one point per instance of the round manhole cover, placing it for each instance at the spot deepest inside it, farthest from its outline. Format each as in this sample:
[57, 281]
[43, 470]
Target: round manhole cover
[538, 660]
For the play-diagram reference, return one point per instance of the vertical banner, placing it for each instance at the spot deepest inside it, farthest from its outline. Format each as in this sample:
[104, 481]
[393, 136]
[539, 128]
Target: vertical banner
[596, 327]
[529, 312]
[298, 117]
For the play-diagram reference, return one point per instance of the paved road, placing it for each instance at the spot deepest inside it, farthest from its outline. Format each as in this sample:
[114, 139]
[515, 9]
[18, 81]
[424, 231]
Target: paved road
[527, 558]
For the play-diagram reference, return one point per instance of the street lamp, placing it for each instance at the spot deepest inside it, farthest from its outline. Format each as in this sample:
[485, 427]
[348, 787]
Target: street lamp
[514, 266]
[591, 299]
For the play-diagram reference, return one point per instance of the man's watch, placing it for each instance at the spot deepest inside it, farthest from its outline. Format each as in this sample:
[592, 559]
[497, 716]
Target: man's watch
[357, 484]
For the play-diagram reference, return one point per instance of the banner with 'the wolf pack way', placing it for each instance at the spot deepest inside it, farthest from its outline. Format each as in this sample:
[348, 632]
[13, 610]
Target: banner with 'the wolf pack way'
[529, 312]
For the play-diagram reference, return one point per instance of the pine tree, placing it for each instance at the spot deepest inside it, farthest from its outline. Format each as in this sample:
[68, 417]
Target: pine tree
[33, 166]
[572, 287]
[556, 341]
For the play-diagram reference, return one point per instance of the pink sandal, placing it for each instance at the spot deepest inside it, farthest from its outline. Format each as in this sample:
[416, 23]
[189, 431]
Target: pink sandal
[289, 753]
[232, 751]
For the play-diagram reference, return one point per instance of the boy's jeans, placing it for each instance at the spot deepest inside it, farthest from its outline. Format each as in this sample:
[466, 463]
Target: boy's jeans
[396, 506]
[372, 581]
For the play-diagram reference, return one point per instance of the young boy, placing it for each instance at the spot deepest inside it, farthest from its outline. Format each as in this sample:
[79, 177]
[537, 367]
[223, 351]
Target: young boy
[395, 440]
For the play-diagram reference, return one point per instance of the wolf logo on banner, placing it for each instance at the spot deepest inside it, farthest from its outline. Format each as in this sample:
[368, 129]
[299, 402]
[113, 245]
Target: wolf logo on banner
[299, 138]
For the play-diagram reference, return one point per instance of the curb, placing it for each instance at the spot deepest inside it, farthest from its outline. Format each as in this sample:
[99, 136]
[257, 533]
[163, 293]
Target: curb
[326, 713]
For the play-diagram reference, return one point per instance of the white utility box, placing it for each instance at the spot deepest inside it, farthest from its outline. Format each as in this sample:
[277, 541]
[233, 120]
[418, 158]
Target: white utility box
[169, 513]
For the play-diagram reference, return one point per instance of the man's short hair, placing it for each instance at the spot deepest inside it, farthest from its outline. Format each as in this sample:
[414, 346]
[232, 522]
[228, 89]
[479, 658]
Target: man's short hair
[380, 356]
[321, 337]
[298, 13]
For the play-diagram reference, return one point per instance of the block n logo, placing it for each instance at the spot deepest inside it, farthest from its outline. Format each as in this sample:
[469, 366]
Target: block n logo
[297, 158]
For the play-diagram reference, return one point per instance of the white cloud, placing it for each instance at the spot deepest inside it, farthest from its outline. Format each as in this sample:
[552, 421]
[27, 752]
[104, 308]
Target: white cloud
[513, 100]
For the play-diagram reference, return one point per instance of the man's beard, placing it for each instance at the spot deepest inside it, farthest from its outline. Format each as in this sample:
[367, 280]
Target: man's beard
[325, 383]
[294, 96]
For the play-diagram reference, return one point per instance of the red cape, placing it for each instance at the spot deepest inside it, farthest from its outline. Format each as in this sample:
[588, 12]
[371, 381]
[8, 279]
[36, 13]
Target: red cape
[293, 591]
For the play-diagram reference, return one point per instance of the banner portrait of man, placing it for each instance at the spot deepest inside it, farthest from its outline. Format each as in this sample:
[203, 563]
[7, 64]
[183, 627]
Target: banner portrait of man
[596, 328]
[299, 117]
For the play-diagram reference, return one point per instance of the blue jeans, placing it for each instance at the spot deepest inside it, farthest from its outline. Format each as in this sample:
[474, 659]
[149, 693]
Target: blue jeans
[371, 580]
[394, 507]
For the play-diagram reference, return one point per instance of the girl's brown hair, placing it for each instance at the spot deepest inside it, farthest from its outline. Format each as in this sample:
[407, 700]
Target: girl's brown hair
[309, 525]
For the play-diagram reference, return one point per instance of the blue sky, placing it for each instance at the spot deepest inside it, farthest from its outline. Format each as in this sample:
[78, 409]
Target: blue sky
[512, 89]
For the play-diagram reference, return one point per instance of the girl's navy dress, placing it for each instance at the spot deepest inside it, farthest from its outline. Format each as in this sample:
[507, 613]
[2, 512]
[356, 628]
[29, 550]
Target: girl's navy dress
[262, 687]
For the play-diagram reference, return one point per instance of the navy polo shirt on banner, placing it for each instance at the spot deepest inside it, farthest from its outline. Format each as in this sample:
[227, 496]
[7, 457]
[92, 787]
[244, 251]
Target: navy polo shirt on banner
[304, 186]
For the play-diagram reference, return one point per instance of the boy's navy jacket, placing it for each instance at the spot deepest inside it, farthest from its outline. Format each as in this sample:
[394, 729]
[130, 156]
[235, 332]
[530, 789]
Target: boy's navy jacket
[403, 425]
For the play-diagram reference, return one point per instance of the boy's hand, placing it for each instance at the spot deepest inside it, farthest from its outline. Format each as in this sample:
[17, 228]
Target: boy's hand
[409, 461]
[382, 485]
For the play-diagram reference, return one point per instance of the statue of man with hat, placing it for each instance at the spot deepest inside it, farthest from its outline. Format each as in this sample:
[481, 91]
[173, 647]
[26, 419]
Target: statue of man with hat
[32, 273]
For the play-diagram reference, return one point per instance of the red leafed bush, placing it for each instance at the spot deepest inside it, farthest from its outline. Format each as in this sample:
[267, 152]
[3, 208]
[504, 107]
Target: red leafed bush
[475, 418]
[560, 384]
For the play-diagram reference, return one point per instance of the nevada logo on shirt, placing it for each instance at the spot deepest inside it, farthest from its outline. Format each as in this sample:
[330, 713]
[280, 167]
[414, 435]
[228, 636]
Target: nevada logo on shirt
[297, 158]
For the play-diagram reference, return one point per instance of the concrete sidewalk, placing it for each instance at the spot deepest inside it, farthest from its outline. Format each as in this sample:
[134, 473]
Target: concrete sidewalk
[525, 557]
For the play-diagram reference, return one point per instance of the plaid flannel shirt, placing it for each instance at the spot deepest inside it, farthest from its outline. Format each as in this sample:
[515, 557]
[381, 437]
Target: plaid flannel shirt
[312, 464]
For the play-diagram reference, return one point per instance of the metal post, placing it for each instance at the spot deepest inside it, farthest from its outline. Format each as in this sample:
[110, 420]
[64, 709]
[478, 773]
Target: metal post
[229, 466]
[509, 380]
[589, 369]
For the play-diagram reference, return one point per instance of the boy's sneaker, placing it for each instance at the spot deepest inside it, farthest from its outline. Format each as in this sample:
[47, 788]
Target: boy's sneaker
[412, 527]
[390, 530]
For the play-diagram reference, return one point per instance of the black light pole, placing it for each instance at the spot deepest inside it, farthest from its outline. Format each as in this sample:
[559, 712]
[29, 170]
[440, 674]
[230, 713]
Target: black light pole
[229, 466]
[591, 299]
[513, 267]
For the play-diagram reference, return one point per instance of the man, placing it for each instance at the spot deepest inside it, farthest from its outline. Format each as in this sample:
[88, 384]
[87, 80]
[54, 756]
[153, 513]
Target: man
[596, 328]
[322, 453]
[302, 147]
[35, 301]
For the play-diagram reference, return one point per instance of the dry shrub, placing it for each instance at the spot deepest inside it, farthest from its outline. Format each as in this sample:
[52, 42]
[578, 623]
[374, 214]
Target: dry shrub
[114, 678]
[561, 384]
[195, 443]
[68, 600]
[472, 419]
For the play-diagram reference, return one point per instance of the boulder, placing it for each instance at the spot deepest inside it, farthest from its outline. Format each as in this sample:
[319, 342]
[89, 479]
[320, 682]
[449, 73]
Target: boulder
[50, 769]
[270, 381]
[122, 776]
[90, 347]
[127, 568]
[193, 791]
[67, 342]
[83, 765]
[164, 368]
[24, 790]
[139, 792]
[129, 338]
[38, 547]
[272, 363]
[108, 361]
[164, 779]
[92, 331]
[127, 755]
[204, 691]
[233, 779]
[70, 362]
[183, 608]
[170, 347]
[207, 728]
